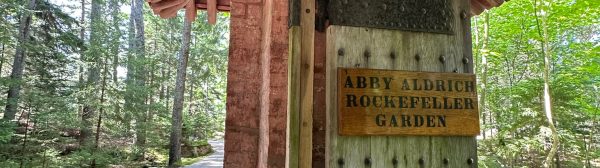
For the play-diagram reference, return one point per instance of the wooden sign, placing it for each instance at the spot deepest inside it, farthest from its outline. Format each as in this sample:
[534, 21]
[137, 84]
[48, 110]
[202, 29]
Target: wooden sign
[389, 102]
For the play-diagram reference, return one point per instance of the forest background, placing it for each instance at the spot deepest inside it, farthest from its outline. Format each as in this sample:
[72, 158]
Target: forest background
[97, 78]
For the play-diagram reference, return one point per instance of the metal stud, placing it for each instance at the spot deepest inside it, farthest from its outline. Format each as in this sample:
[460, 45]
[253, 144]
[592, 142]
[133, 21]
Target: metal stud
[418, 57]
[465, 60]
[455, 70]
[367, 54]
[421, 161]
[443, 59]
[395, 161]
[341, 52]
[367, 161]
[470, 161]
[393, 55]
[445, 161]
[340, 161]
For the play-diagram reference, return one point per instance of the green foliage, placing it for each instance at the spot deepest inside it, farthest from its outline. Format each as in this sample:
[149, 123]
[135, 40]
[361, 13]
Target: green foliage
[513, 120]
[55, 87]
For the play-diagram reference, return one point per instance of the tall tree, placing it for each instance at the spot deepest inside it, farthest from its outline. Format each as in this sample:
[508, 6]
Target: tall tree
[176, 124]
[19, 63]
[543, 10]
[140, 74]
[93, 74]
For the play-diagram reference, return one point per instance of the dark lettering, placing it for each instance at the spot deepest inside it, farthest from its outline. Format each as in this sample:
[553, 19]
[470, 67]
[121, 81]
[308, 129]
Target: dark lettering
[380, 120]
[447, 105]
[457, 86]
[377, 103]
[405, 85]
[387, 82]
[439, 85]
[469, 103]
[430, 122]
[414, 101]
[348, 83]
[425, 102]
[450, 85]
[389, 101]
[469, 86]
[361, 82]
[403, 103]
[374, 82]
[406, 121]
[365, 101]
[416, 86]
[393, 121]
[351, 101]
[436, 104]
[441, 121]
[418, 120]
[457, 103]
[428, 84]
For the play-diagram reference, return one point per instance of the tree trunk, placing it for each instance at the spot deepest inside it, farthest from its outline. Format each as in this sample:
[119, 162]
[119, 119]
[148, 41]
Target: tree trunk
[140, 75]
[18, 64]
[93, 72]
[175, 140]
[2, 60]
[116, 35]
[484, 66]
[100, 111]
[547, 98]
[81, 82]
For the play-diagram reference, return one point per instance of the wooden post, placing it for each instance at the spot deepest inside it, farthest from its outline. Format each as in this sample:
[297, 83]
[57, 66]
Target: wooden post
[413, 51]
[300, 85]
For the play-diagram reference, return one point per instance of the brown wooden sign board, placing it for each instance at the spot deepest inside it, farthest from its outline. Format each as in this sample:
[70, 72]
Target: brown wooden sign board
[390, 102]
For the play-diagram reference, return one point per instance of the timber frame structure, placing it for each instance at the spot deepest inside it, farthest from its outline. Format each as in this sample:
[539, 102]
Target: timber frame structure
[277, 79]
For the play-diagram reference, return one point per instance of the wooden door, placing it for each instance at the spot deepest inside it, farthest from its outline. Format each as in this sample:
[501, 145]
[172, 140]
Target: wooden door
[374, 48]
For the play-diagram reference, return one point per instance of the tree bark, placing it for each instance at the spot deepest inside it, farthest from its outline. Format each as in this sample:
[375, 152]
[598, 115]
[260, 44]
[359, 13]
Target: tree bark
[116, 35]
[546, 73]
[175, 140]
[484, 71]
[140, 75]
[18, 64]
[93, 72]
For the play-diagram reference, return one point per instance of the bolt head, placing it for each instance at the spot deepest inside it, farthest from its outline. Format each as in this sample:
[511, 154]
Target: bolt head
[465, 60]
[470, 161]
[341, 52]
[340, 161]
[421, 161]
[368, 161]
[443, 59]
[367, 54]
[445, 161]
[418, 57]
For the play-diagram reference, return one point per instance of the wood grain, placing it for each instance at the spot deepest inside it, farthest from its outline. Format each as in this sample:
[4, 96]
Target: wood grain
[399, 103]
[293, 119]
[307, 28]
[406, 150]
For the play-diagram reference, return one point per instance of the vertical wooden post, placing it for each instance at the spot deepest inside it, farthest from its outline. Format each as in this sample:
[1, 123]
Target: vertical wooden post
[300, 93]
[398, 50]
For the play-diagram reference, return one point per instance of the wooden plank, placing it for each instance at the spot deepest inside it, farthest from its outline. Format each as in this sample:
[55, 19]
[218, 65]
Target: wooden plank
[307, 28]
[385, 102]
[407, 150]
[293, 120]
